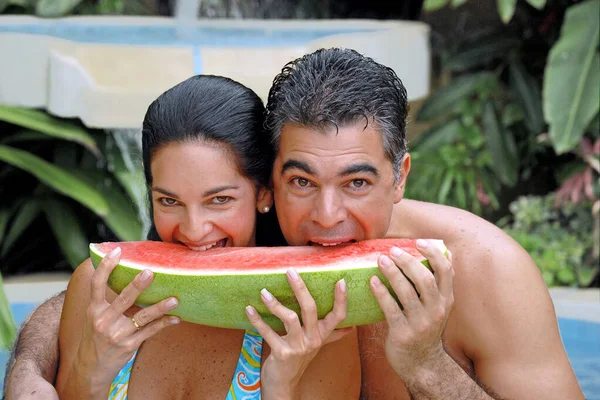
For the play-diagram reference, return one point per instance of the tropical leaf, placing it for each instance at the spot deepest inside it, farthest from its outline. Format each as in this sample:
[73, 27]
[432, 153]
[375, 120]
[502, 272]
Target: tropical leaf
[8, 328]
[527, 95]
[4, 218]
[594, 127]
[445, 187]
[42, 122]
[25, 136]
[572, 77]
[506, 9]
[57, 178]
[433, 5]
[123, 218]
[68, 232]
[432, 139]
[24, 216]
[55, 8]
[125, 159]
[501, 146]
[481, 51]
[539, 4]
[458, 3]
[443, 101]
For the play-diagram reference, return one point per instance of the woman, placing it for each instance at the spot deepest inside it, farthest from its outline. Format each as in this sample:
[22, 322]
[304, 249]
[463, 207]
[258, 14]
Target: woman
[207, 165]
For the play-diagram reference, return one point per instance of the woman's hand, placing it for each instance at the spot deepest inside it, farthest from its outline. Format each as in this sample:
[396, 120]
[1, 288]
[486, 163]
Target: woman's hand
[291, 354]
[109, 337]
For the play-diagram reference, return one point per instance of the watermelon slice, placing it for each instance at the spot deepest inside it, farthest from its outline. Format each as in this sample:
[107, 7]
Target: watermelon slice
[214, 287]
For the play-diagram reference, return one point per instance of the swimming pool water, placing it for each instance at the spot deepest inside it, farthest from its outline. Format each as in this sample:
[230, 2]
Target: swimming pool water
[581, 340]
[169, 35]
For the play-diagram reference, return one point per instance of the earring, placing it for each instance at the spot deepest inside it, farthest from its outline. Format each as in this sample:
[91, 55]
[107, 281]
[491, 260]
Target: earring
[266, 209]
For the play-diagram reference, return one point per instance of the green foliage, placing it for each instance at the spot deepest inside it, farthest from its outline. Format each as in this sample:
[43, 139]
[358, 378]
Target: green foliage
[559, 240]
[506, 9]
[572, 77]
[62, 8]
[73, 178]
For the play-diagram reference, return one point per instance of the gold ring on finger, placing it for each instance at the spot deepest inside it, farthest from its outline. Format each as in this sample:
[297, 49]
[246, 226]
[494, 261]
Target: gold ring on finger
[135, 323]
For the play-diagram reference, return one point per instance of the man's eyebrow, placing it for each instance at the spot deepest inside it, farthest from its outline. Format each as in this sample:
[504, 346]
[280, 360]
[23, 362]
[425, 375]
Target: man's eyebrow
[295, 164]
[362, 167]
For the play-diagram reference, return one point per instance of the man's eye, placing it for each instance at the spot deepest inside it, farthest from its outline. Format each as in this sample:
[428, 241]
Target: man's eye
[358, 183]
[221, 199]
[302, 182]
[167, 201]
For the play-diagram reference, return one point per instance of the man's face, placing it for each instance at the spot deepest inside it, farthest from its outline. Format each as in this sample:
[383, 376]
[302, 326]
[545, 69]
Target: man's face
[334, 188]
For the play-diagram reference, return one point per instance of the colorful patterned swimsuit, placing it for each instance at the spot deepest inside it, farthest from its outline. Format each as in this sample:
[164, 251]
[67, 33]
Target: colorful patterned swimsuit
[246, 379]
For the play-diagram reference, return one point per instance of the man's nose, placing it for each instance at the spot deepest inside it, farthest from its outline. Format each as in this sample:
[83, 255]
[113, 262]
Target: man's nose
[329, 208]
[196, 225]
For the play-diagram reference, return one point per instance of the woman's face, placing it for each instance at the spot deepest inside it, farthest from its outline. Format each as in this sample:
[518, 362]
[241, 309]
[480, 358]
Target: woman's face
[201, 199]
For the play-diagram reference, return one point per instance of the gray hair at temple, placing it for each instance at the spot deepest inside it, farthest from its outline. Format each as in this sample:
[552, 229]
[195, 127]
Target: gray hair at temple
[340, 87]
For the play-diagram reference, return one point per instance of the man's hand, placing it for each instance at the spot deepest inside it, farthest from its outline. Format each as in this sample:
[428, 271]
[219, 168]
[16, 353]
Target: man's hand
[414, 343]
[32, 386]
[31, 370]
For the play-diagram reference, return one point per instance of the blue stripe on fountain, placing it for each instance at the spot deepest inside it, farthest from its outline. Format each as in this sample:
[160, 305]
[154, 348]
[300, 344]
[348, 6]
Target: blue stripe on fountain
[168, 35]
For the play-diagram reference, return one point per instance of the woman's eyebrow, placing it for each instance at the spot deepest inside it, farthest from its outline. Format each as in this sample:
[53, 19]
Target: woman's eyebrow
[163, 191]
[218, 189]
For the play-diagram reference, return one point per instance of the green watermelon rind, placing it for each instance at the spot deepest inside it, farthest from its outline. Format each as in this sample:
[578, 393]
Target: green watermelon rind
[220, 300]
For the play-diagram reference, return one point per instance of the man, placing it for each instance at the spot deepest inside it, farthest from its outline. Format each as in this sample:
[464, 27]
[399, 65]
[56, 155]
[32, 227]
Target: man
[483, 326]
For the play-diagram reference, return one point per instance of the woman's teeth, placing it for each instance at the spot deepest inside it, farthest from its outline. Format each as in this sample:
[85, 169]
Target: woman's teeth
[219, 243]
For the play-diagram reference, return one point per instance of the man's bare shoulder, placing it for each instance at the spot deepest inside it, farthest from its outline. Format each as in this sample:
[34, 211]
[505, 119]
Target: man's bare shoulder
[478, 246]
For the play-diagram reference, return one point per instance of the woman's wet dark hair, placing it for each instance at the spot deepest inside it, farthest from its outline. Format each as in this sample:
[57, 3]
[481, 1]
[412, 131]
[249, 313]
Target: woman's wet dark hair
[212, 109]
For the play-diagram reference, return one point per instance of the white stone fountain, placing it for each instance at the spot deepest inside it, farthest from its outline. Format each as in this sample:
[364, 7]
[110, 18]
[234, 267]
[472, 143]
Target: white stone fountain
[107, 70]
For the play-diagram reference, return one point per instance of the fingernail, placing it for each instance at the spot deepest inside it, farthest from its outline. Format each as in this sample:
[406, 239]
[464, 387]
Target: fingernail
[172, 303]
[343, 285]
[115, 252]
[375, 281]
[293, 274]
[145, 275]
[385, 261]
[396, 252]
[422, 243]
[250, 310]
[268, 296]
[174, 321]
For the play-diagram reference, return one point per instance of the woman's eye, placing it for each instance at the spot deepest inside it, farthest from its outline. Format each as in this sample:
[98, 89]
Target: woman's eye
[221, 199]
[167, 201]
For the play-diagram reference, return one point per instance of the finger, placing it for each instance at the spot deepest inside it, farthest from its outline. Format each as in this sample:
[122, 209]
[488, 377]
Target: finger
[338, 314]
[387, 303]
[337, 334]
[100, 276]
[417, 273]
[308, 307]
[441, 265]
[130, 293]
[268, 334]
[146, 315]
[153, 328]
[407, 295]
[290, 319]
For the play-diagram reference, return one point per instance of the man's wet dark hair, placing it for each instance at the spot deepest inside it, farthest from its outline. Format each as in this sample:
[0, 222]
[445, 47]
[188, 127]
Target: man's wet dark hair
[211, 109]
[340, 87]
